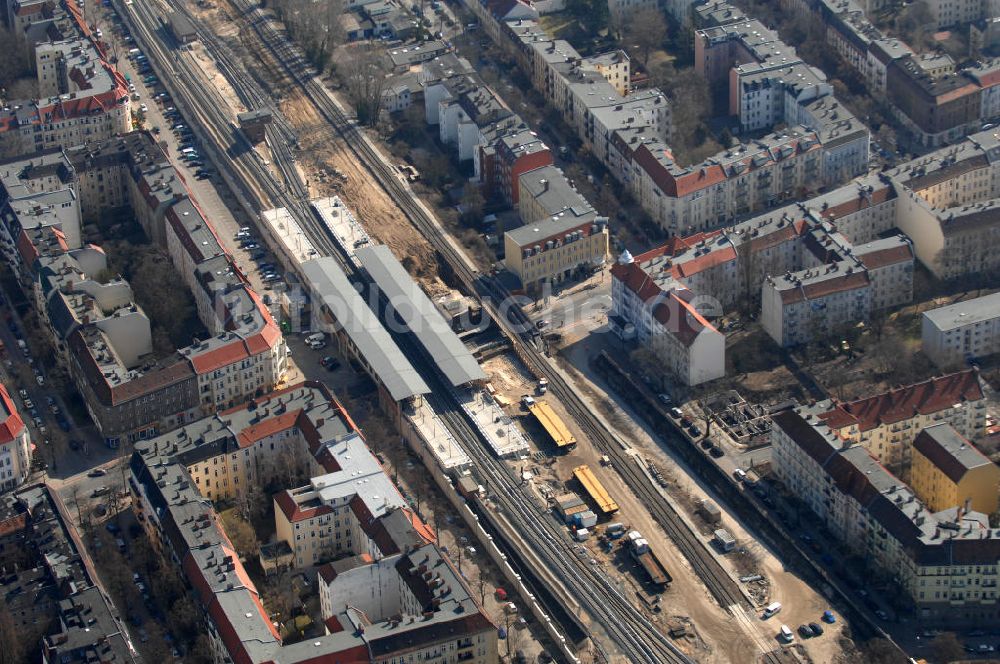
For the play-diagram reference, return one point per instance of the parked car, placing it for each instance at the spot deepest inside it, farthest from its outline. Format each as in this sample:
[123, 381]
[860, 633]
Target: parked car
[101, 491]
[816, 629]
[97, 472]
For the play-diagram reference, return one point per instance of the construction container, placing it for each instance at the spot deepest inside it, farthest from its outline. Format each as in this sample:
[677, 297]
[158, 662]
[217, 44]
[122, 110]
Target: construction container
[581, 534]
[585, 519]
[725, 540]
[569, 504]
[709, 511]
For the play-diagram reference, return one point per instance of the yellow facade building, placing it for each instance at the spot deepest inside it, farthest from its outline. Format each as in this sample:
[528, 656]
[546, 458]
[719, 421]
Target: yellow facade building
[563, 236]
[948, 471]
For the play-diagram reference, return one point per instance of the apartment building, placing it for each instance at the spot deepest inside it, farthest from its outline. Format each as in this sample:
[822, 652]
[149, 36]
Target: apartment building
[800, 307]
[68, 298]
[947, 206]
[945, 561]
[947, 470]
[410, 579]
[562, 236]
[48, 589]
[629, 134]
[889, 264]
[763, 94]
[956, 333]
[715, 13]
[92, 103]
[36, 191]
[15, 444]
[322, 520]
[948, 13]
[938, 104]
[719, 49]
[104, 335]
[516, 154]
[887, 423]
[809, 275]
[667, 322]
[939, 110]
[259, 443]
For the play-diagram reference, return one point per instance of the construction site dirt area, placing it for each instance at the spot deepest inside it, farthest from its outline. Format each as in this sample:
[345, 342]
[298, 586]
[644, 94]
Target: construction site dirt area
[802, 603]
[714, 634]
[328, 164]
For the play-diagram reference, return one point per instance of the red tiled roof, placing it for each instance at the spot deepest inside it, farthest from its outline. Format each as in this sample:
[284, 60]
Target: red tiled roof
[859, 202]
[223, 356]
[701, 179]
[925, 398]
[680, 318]
[876, 259]
[706, 261]
[819, 289]
[838, 418]
[636, 280]
[13, 425]
[990, 79]
[268, 427]
[957, 93]
[293, 512]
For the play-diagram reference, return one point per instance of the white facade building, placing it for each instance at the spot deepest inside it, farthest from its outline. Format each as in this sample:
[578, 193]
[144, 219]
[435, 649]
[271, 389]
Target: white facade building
[15, 444]
[668, 323]
[962, 331]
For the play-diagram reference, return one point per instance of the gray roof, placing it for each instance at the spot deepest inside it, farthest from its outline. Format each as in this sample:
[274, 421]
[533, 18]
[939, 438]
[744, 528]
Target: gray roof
[372, 341]
[420, 315]
[965, 313]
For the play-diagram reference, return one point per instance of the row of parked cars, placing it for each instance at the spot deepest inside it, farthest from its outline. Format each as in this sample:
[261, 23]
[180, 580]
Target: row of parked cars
[250, 244]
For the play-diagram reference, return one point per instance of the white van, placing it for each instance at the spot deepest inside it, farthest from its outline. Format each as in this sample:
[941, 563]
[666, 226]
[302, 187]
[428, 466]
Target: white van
[785, 634]
[770, 610]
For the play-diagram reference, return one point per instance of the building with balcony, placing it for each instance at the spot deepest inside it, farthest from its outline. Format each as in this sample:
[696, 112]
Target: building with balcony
[887, 423]
[945, 561]
[962, 331]
[947, 470]
[16, 448]
[562, 236]
[422, 608]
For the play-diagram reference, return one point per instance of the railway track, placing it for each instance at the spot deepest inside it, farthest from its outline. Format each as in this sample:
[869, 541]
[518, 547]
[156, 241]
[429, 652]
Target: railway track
[721, 585]
[624, 624]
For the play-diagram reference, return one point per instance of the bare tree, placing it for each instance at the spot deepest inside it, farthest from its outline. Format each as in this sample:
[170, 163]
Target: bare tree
[646, 29]
[316, 26]
[12, 643]
[364, 74]
[240, 533]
